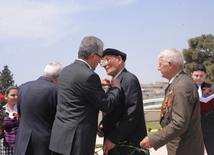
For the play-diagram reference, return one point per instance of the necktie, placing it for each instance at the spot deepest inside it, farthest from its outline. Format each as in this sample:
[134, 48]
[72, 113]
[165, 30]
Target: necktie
[199, 91]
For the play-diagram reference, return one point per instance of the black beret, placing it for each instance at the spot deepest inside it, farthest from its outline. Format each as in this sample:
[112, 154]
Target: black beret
[111, 51]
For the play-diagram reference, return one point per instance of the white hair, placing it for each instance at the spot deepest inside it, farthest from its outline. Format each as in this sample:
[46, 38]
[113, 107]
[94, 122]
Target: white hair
[172, 55]
[53, 70]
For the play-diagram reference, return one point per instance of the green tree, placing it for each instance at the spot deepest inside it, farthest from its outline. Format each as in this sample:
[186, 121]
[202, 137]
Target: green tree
[6, 79]
[200, 51]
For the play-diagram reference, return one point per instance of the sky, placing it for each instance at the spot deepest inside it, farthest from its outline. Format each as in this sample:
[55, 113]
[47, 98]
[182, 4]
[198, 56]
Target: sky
[34, 33]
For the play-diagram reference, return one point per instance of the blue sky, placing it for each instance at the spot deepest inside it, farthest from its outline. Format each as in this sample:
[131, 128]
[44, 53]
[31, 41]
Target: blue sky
[36, 32]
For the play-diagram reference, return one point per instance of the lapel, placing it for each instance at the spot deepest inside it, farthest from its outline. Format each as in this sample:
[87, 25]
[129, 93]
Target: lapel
[120, 77]
[169, 92]
[178, 77]
[167, 88]
[206, 89]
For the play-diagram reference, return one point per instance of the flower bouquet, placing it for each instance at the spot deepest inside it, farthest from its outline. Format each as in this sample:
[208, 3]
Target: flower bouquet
[2, 111]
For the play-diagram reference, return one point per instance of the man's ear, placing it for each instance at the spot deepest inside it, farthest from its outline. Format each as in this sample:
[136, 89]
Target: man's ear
[91, 56]
[120, 59]
[170, 64]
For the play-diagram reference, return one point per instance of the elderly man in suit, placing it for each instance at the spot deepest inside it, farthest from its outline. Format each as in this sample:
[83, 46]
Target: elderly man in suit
[126, 123]
[37, 103]
[80, 97]
[180, 117]
[199, 74]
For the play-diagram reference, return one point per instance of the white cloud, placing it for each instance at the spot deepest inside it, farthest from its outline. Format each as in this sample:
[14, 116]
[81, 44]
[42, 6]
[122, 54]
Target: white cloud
[49, 20]
[23, 18]
[126, 2]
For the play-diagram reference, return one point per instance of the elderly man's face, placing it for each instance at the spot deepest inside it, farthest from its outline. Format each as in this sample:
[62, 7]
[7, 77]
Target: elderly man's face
[198, 77]
[111, 64]
[163, 67]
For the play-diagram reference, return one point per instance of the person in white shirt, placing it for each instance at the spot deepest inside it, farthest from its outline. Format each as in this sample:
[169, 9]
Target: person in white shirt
[199, 75]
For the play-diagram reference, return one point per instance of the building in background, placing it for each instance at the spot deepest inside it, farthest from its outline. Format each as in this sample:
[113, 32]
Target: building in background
[153, 95]
[155, 90]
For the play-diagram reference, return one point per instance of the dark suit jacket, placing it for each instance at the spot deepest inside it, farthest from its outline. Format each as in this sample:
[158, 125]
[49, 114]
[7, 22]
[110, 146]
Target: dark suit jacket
[126, 122]
[206, 85]
[37, 107]
[207, 122]
[180, 121]
[80, 97]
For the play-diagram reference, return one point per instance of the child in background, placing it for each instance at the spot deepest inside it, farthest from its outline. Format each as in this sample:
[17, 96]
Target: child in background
[10, 125]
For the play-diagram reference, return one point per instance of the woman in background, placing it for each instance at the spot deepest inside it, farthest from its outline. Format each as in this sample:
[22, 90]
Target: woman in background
[10, 125]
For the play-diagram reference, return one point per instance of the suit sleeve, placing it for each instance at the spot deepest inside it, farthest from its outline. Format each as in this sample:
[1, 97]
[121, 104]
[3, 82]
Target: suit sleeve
[212, 89]
[97, 96]
[18, 102]
[130, 114]
[183, 103]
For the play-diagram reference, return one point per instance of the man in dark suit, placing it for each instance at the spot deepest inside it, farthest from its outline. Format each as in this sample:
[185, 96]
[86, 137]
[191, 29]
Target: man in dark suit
[180, 113]
[80, 97]
[37, 103]
[199, 74]
[126, 123]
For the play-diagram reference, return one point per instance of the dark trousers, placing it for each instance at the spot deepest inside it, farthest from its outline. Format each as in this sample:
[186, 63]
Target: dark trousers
[54, 153]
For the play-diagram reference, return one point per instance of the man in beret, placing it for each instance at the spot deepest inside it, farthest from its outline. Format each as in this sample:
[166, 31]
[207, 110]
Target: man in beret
[126, 123]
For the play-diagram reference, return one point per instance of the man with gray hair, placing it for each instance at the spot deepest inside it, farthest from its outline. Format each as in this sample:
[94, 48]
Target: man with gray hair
[37, 101]
[80, 97]
[180, 113]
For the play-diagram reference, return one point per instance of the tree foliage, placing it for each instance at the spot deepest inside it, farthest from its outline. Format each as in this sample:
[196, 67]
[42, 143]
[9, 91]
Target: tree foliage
[200, 51]
[6, 79]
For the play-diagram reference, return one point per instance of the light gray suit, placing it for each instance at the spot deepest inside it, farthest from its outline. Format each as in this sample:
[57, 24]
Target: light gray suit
[180, 119]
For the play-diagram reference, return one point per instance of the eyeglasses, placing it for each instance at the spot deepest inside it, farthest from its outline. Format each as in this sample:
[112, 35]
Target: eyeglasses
[99, 56]
[106, 60]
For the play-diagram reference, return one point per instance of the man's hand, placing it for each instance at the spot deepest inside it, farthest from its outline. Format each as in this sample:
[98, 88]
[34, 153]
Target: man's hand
[100, 131]
[106, 82]
[115, 82]
[108, 145]
[145, 143]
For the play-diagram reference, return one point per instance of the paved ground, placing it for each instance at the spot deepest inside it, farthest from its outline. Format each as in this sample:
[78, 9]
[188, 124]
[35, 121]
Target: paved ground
[160, 151]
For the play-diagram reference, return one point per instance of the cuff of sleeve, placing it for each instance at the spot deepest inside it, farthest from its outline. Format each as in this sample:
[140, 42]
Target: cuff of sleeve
[116, 87]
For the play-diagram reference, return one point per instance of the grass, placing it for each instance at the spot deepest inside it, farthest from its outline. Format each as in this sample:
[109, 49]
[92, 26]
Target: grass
[99, 145]
[153, 124]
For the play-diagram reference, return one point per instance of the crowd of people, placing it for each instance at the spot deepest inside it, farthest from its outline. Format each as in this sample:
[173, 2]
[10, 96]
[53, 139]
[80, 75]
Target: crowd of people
[57, 114]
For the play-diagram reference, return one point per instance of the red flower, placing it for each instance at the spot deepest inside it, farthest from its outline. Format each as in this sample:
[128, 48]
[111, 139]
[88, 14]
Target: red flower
[1, 97]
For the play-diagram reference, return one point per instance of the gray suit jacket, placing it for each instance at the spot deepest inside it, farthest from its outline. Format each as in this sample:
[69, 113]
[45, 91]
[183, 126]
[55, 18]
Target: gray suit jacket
[80, 97]
[180, 119]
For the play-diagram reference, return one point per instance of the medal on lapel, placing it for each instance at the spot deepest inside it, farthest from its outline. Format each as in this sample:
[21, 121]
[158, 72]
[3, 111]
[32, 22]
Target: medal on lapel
[166, 104]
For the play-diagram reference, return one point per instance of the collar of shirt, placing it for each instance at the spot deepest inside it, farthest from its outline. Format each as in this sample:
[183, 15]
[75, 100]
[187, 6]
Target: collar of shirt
[174, 77]
[118, 74]
[9, 111]
[85, 63]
